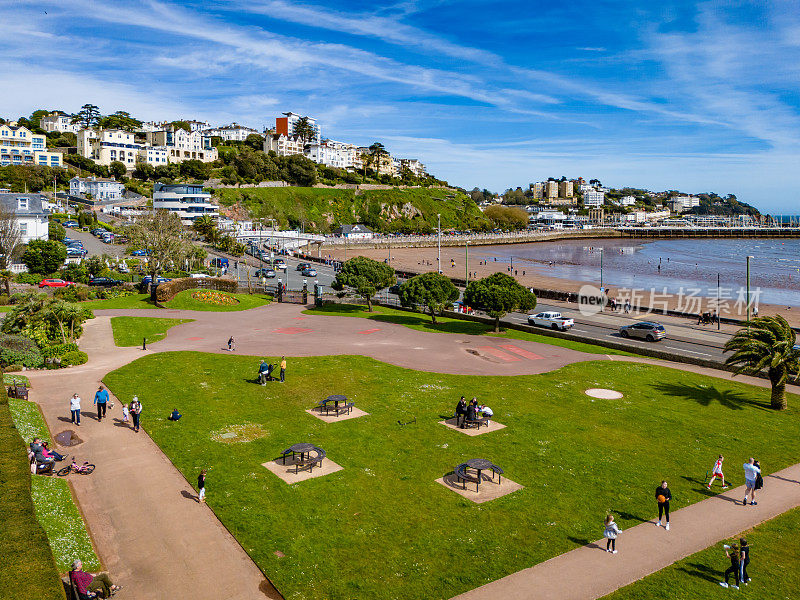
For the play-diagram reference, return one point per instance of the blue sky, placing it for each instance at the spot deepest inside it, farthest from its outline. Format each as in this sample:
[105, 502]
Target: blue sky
[689, 96]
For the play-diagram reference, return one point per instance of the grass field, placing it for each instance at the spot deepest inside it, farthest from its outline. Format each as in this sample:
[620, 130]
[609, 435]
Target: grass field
[55, 507]
[129, 331]
[422, 322]
[184, 301]
[774, 568]
[382, 527]
[135, 301]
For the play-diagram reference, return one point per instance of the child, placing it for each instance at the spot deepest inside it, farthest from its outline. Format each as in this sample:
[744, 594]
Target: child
[125, 413]
[717, 472]
[201, 486]
[610, 533]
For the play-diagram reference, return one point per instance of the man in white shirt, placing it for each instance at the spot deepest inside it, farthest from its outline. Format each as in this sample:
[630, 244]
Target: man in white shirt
[751, 471]
[75, 409]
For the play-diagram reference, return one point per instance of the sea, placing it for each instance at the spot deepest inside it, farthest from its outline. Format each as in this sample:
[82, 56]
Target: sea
[675, 266]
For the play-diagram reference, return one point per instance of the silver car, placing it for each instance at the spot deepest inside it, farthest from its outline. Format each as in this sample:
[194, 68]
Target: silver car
[646, 330]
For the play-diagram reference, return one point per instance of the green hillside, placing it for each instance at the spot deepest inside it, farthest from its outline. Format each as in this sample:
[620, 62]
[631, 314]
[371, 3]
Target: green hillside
[323, 209]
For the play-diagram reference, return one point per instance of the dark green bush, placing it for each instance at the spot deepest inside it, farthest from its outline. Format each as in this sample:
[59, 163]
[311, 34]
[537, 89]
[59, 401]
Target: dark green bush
[58, 349]
[75, 357]
[27, 358]
[12, 368]
[31, 278]
[4, 300]
[72, 293]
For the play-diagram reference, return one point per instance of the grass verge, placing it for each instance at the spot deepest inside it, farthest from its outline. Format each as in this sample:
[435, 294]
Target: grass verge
[774, 561]
[52, 498]
[559, 443]
[129, 331]
[27, 570]
[422, 322]
[135, 301]
[184, 301]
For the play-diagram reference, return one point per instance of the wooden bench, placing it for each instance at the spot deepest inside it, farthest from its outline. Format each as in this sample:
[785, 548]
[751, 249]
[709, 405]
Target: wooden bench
[40, 467]
[476, 423]
[311, 461]
[345, 409]
[462, 474]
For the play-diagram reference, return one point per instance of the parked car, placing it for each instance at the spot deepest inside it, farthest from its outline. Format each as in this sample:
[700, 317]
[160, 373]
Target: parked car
[71, 251]
[123, 268]
[67, 241]
[139, 253]
[551, 320]
[75, 244]
[309, 272]
[104, 281]
[120, 239]
[646, 330]
[97, 231]
[70, 223]
[55, 283]
[268, 273]
[146, 280]
[219, 262]
[199, 275]
[303, 266]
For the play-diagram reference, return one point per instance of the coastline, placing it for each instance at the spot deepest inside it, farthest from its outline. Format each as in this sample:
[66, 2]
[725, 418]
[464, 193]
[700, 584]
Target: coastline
[534, 274]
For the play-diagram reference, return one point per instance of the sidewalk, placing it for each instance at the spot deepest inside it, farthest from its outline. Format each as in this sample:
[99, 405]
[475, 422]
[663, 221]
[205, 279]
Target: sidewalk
[590, 572]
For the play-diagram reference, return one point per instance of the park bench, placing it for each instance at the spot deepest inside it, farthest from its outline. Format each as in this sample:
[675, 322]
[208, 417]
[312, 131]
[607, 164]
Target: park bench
[462, 475]
[310, 461]
[345, 409]
[18, 391]
[40, 467]
[476, 423]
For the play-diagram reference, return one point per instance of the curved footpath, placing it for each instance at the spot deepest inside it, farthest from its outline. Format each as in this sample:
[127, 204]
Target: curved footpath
[155, 539]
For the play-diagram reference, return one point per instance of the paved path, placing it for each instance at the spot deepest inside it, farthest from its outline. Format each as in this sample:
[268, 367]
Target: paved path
[590, 572]
[153, 536]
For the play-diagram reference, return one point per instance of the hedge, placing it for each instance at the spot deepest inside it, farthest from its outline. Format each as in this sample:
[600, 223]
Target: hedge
[27, 567]
[59, 349]
[74, 358]
[166, 291]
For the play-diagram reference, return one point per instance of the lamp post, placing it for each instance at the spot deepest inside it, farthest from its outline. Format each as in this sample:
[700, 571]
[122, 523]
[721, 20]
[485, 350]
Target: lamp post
[439, 243]
[466, 263]
[601, 270]
[718, 307]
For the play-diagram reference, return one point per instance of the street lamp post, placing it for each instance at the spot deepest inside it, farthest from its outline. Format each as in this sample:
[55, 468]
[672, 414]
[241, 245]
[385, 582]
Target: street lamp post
[601, 270]
[439, 243]
[466, 263]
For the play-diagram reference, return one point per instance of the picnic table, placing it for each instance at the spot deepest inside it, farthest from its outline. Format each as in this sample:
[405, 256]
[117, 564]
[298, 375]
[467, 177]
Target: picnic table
[304, 449]
[480, 465]
[340, 405]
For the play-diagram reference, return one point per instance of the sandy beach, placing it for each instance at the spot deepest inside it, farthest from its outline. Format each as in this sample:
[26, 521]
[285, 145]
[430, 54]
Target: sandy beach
[533, 274]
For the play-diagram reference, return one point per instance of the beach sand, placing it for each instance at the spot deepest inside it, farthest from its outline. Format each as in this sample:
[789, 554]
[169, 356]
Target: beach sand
[532, 274]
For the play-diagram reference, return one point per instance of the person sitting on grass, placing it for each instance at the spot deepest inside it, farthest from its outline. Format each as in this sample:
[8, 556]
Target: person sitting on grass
[175, 415]
[92, 586]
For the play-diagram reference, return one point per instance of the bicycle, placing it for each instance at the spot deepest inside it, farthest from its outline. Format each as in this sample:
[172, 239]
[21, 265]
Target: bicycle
[85, 469]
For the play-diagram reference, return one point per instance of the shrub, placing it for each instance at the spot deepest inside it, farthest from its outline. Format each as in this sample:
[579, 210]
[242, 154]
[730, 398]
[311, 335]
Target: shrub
[12, 369]
[16, 342]
[72, 293]
[166, 291]
[27, 358]
[30, 278]
[76, 357]
[4, 300]
[58, 349]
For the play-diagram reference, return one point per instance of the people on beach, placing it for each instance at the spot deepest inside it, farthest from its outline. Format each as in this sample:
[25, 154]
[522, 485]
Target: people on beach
[732, 553]
[201, 486]
[283, 369]
[663, 496]
[75, 409]
[101, 399]
[744, 560]
[87, 584]
[717, 472]
[136, 412]
[461, 411]
[611, 532]
[751, 472]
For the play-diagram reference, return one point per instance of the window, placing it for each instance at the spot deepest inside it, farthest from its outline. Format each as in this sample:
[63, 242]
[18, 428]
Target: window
[22, 203]
[23, 228]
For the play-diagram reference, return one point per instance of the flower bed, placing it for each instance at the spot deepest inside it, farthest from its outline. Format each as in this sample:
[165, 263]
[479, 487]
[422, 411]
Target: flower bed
[214, 297]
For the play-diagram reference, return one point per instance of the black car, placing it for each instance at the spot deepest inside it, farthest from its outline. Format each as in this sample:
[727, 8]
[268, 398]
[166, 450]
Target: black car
[268, 273]
[104, 281]
[303, 266]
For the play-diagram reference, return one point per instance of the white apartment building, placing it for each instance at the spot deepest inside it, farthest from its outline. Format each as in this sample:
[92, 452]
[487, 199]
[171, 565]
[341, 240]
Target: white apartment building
[30, 214]
[151, 126]
[627, 201]
[585, 187]
[189, 201]
[283, 145]
[285, 126]
[59, 121]
[99, 187]
[154, 155]
[413, 165]
[105, 146]
[20, 146]
[593, 199]
[684, 203]
[231, 133]
[183, 145]
[330, 153]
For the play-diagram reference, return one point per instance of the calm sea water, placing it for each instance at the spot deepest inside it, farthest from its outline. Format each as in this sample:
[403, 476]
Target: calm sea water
[685, 264]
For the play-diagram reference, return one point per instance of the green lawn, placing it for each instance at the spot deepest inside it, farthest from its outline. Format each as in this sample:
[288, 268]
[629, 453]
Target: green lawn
[382, 527]
[55, 507]
[184, 301]
[774, 561]
[422, 322]
[15, 379]
[135, 301]
[129, 331]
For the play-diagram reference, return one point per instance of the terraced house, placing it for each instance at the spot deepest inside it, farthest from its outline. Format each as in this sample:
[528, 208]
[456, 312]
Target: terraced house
[20, 146]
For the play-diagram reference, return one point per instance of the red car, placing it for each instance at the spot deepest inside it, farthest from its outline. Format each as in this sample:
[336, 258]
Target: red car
[55, 283]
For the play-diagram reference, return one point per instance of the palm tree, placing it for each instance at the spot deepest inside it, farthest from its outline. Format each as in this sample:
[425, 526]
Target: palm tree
[767, 343]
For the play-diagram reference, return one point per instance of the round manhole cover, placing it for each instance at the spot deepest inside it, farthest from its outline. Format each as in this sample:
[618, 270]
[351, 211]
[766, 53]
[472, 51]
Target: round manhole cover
[603, 393]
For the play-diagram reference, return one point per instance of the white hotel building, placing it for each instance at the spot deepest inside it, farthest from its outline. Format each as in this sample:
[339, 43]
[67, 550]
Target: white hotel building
[20, 146]
[593, 199]
[99, 187]
[188, 201]
[231, 133]
[59, 121]
[330, 153]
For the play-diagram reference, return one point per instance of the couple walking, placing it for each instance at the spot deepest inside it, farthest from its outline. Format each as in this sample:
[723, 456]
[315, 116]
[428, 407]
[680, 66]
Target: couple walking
[752, 478]
[101, 400]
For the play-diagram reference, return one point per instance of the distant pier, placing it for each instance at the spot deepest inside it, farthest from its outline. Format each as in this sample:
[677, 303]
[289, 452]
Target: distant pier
[710, 232]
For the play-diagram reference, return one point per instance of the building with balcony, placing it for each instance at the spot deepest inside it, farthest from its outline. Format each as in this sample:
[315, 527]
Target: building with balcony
[99, 187]
[415, 166]
[285, 126]
[283, 145]
[105, 146]
[183, 145]
[593, 199]
[30, 214]
[231, 133]
[19, 146]
[188, 201]
[59, 121]
[565, 189]
[330, 153]
[684, 203]
[550, 189]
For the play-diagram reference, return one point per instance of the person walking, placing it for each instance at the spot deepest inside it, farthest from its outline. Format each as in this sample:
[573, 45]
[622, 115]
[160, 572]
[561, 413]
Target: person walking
[231, 344]
[75, 409]
[663, 496]
[744, 560]
[717, 472]
[125, 413]
[751, 472]
[611, 532]
[136, 411]
[201, 486]
[283, 368]
[732, 552]
[101, 399]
